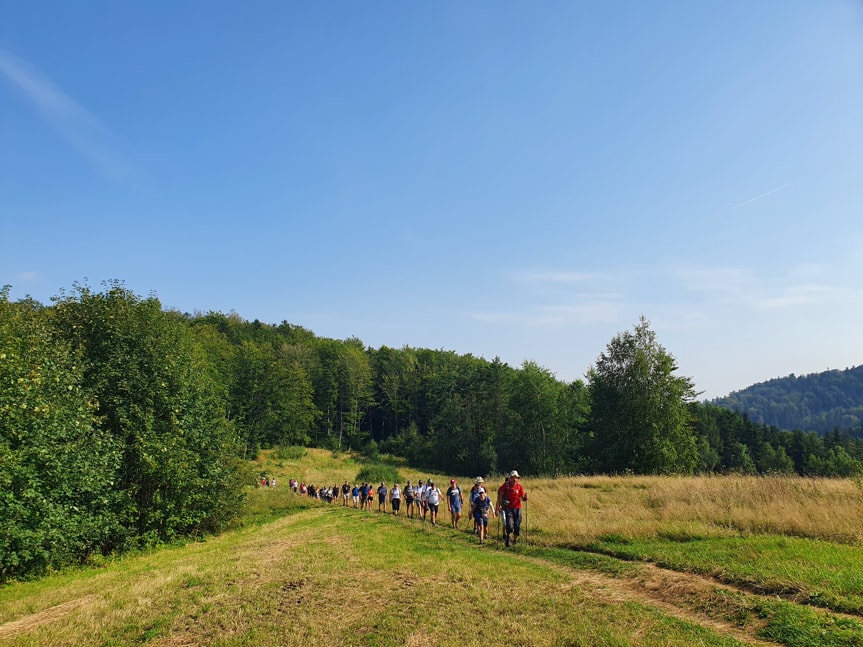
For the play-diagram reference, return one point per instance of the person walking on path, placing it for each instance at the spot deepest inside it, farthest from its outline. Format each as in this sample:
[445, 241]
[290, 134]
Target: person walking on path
[433, 497]
[409, 499]
[395, 499]
[512, 495]
[422, 499]
[455, 501]
[472, 497]
[482, 508]
[382, 498]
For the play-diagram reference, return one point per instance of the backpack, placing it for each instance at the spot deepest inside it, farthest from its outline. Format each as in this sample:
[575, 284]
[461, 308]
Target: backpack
[434, 496]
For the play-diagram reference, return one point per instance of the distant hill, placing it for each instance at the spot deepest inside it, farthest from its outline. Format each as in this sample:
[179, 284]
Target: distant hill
[819, 402]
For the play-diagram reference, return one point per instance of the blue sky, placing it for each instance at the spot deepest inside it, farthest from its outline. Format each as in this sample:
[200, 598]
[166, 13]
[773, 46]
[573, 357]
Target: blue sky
[511, 179]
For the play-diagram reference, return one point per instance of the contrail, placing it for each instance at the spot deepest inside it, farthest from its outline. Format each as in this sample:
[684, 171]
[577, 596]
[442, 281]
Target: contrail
[763, 195]
[68, 118]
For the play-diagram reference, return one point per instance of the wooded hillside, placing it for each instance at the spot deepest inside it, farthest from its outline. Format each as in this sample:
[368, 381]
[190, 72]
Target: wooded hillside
[819, 402]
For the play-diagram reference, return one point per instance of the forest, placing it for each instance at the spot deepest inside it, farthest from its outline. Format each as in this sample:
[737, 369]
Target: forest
[124, 425]
[819, 402]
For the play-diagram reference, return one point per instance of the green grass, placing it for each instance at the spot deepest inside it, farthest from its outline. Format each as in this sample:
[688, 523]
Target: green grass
[296, 571]
[815, 572]
[328, 576]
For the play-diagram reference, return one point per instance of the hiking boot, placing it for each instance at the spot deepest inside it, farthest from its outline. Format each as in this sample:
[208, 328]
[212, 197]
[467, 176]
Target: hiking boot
[506, 540]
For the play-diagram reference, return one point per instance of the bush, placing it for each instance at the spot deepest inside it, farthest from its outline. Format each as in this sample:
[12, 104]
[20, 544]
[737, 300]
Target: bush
[291, 453]
[378, 473]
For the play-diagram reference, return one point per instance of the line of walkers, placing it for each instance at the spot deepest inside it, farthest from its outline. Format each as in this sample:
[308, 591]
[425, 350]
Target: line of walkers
[424, 500]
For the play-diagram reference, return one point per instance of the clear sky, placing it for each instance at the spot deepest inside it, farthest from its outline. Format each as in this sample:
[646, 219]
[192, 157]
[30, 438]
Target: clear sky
[501, 178]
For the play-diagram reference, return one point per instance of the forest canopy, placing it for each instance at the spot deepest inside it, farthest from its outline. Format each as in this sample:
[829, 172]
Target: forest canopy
[123, 424]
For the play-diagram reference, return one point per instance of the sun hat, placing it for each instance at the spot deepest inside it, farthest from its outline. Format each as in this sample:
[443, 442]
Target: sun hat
[479, 479]
[515, 474]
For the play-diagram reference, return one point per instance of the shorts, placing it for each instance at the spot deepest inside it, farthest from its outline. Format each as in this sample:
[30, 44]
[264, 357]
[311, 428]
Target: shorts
[409, 500]
[382, 498]
[433, 507]
[481, 520]
[456, 508]
[357, 498]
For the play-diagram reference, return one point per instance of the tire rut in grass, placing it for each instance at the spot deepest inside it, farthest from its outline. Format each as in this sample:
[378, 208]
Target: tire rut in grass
[34, 620]
[670, 592]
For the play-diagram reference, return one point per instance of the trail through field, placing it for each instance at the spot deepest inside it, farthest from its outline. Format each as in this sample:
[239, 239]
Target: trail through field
[662, 589]
[30, 622]
[272, 583]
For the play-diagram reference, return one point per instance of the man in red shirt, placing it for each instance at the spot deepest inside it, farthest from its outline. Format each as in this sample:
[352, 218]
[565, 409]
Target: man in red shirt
[510, 496]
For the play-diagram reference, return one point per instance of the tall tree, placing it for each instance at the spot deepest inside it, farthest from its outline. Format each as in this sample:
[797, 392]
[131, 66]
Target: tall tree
[56, 466]
[155, 397]
[640, 417]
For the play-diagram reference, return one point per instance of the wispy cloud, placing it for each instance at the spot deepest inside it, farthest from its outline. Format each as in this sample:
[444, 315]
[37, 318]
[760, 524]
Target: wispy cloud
[716, 280]
[763, 195]
[68, 118]
[801, 295]
[587, 313]
[801, 285]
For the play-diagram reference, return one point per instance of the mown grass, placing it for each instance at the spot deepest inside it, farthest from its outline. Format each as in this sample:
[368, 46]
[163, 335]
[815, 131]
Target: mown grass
[296, 571]
[329, 576]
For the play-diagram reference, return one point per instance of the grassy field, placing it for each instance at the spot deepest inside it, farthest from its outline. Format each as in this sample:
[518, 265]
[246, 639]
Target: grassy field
[608, 561]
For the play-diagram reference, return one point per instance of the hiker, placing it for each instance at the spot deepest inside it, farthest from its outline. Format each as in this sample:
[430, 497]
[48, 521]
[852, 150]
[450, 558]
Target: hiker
[421, 499]
[395, 499]
[382, 498]
[433, 497]
[511, 496]
[482, 508]
[472, 497]
[454, 502]
[346, 493]
[409, 499]
[355, 493]
[364, 495]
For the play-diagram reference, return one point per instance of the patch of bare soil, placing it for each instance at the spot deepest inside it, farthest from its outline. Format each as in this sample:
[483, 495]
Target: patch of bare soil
[34, 620]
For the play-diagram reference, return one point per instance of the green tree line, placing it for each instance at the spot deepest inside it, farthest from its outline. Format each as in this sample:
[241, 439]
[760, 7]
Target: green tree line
[123, 424]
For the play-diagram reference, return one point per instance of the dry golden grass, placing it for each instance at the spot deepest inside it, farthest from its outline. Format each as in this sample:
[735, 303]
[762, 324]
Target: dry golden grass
[579, 510]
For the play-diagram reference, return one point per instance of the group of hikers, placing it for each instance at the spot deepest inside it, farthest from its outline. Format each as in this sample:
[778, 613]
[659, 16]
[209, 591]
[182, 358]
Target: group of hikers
[424, 500]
